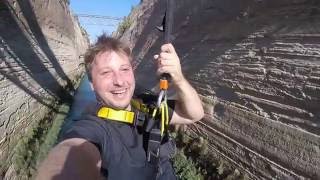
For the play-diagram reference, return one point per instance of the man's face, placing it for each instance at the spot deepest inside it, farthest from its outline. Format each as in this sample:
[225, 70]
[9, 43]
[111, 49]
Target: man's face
[113, 79]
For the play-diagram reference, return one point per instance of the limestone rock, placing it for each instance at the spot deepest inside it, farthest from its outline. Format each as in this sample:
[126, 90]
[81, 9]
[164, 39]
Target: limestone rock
[262, 61]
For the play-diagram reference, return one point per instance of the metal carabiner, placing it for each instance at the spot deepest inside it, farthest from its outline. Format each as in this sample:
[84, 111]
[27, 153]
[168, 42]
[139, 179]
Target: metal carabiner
[160, 97]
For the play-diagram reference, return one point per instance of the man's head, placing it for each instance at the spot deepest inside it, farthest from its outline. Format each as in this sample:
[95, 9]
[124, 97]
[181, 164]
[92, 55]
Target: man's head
[108, 65]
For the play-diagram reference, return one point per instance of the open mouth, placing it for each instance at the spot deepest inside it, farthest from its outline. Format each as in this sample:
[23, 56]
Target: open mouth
[119, 93]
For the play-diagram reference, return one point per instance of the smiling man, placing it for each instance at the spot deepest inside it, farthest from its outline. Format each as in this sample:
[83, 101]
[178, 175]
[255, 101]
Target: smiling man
[112, 78]
[112, 146]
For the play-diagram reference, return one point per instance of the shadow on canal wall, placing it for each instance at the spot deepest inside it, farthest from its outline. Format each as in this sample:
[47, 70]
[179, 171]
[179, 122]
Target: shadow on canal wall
[40, 46]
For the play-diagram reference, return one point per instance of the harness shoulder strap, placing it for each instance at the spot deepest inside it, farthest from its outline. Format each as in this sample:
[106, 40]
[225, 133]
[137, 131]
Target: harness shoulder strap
[122, 115]
[116, 115]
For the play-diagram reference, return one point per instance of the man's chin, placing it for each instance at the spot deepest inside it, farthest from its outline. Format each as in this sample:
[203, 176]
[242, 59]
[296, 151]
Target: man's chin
[124, 106]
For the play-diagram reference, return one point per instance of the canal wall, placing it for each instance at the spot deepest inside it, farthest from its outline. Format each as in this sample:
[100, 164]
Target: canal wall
[41, 44]
[256, 65]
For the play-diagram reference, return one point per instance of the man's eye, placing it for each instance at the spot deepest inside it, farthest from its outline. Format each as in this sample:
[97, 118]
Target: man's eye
[125, 69]
[106, 72]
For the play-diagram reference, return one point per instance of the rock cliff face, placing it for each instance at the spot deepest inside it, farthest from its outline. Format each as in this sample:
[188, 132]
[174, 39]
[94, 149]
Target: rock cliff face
[256, 64]
[40, 46]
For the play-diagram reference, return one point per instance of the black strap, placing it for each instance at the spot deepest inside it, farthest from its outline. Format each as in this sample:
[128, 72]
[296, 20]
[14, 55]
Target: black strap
[154, 146]
[155, 137]
[152, 124]
[166, 27]
[168, 23]
[140, 118]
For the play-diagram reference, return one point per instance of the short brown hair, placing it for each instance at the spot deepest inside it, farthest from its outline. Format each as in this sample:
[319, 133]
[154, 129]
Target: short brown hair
[104, 43]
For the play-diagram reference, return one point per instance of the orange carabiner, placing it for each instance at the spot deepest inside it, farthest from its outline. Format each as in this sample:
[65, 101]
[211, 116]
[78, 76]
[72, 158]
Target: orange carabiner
[164, 84]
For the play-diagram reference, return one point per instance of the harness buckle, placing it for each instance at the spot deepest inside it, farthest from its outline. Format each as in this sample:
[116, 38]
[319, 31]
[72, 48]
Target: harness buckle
[140, 118]
[154, 146]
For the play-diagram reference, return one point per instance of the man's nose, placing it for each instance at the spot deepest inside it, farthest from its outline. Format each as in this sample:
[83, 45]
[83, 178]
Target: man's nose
[118, 79]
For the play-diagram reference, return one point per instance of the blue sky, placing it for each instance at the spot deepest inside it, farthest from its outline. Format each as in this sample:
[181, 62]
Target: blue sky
[114, 8]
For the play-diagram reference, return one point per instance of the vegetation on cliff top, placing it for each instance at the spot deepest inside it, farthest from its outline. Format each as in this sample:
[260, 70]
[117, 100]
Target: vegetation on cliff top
[126, 22]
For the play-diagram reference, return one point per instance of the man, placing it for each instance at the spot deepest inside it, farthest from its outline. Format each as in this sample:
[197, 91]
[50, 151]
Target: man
[94, 145]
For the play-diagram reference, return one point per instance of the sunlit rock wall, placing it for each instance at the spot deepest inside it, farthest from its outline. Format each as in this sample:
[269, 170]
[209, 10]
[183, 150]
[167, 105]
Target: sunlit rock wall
[256, 64]
[40, 48]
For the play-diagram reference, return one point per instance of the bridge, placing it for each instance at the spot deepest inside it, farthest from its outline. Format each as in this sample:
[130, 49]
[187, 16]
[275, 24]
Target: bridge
[99, 20]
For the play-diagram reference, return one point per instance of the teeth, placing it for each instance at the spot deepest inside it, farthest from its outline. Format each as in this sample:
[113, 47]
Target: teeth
[119, 92]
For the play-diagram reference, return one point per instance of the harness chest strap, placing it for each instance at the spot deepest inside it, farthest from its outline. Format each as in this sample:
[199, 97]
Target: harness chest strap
[129, 116]
[116, 115]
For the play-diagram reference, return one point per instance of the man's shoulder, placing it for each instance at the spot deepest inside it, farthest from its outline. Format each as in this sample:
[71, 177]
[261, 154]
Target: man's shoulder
[88, 120]
[88, 126]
